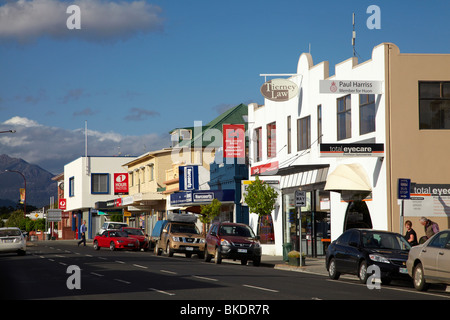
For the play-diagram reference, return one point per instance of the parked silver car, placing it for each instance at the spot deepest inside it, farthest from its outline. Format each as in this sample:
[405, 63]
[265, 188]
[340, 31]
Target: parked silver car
[12, 240]
[430, 262]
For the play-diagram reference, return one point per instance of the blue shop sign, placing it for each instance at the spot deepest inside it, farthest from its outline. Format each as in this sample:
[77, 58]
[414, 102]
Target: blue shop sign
[200, 197]
[188, 177]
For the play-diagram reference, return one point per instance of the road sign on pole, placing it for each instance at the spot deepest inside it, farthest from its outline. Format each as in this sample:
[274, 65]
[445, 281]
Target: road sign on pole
[54, 215]
[404, 189]
[300, 198]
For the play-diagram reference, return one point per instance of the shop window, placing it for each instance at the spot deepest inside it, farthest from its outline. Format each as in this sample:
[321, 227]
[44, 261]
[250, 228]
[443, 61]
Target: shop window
[434, 105]
[357, 216]
[271, 140]
[344, 115]
[289, 134]
[304, 133]
[266, 233]
[258, 144]
[319, 123]
[366, 113]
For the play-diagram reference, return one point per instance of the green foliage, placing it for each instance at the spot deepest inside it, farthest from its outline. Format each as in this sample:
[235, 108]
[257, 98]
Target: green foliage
[210, 211]
[260, 197]
[116, 217]
[17, 219]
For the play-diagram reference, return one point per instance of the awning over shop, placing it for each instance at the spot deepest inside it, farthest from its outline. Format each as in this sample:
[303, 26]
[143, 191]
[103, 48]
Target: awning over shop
[348, 177]
[302, 175]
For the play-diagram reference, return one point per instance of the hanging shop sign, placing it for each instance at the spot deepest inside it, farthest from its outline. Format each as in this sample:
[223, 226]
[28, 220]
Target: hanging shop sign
[352, 150]
[351, 86]
[188, 177]
[279, 90]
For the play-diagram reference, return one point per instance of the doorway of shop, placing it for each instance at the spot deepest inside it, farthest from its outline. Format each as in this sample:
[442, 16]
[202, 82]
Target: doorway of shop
[357, 216]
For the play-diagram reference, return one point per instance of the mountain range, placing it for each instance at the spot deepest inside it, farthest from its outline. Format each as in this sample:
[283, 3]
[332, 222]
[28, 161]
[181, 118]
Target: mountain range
[40, 186]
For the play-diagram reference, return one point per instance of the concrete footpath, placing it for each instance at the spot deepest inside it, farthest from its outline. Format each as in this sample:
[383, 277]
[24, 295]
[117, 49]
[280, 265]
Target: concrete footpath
[312, 265]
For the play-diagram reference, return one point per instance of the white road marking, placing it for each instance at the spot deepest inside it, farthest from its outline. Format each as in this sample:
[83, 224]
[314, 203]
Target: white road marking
[163, 292]
[260, 288]
[205, 278]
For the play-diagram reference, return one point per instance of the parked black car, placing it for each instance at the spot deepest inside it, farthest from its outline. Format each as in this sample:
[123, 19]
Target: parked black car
[356, 249]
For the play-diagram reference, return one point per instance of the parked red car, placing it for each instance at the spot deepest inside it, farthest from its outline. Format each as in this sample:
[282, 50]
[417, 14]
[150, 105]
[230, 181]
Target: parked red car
[138, 234]
[115, 239]
[227, 240]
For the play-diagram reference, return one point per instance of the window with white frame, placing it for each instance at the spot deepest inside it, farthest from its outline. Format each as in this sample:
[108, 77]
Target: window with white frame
[304, 133]
[344, 115]
[366, 113]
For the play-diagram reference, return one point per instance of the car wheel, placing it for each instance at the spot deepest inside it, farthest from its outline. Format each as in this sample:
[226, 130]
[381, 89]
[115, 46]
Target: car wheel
[112, 246]
[168, 250]
[157, 249]
[207, 256]
[362, 272]
[257, 261]
[96, 246]
[419, 278]
[217, 257]
[332, 271]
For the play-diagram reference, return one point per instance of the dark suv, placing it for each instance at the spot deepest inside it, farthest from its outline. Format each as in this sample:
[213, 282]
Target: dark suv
[226, 240]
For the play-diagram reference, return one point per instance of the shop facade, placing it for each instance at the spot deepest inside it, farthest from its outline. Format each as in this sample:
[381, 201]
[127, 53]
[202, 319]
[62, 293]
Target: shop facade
[346, 139]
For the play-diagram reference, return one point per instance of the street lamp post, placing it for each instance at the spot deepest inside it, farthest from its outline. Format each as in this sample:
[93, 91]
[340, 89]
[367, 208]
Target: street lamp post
[25, 197]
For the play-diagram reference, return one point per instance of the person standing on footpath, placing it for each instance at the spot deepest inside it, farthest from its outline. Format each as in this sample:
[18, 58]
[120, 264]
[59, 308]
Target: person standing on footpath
[83, 230]
[410, 235]
[430, 227]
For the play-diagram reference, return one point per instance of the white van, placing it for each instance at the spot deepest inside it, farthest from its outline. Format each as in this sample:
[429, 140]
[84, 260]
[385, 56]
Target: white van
[112, 225]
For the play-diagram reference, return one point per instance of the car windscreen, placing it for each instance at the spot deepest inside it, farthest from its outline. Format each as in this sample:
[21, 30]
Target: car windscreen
[116, 225]
[10, 233]
[134, 232]
[382, 240]
[118, 234]
[238, 231]
[184, 228]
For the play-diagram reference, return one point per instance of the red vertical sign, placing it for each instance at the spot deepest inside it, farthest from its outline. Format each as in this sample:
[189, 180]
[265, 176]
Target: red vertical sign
[62, 204]
[233, 140]
[120, 183]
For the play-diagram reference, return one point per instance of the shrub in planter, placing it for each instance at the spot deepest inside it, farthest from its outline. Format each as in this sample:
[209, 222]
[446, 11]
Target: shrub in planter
[294, 258]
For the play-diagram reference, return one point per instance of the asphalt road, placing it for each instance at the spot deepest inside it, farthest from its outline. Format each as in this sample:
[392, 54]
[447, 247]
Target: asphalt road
[46, 272]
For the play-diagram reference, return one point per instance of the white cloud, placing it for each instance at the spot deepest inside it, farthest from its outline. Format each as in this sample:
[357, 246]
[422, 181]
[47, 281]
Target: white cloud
[101, 20]
[52, 147]
[19, 121]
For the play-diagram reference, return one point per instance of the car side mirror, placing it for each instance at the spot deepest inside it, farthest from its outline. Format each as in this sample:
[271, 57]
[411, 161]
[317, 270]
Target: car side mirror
[258, 238]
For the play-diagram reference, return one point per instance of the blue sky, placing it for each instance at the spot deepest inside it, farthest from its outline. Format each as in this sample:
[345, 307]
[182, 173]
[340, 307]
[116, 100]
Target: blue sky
[136, 71]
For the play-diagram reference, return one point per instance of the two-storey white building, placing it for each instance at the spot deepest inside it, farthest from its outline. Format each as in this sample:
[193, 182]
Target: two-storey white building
[345, 140]
[88, 180]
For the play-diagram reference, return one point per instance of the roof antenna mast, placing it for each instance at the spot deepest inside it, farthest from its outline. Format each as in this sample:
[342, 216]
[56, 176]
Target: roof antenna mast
[354, 36]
